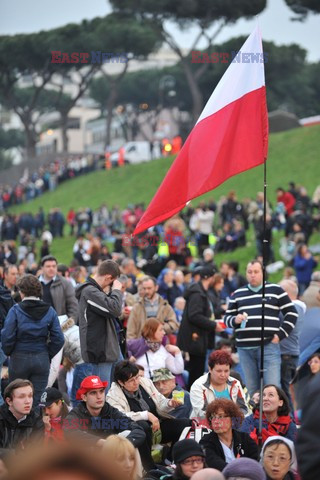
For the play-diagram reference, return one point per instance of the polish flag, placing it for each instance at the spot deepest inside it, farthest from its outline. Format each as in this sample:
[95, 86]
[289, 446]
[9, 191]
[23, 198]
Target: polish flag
[230, 136]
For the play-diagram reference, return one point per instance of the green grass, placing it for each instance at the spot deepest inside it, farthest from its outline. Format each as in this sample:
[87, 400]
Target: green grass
[293, 156]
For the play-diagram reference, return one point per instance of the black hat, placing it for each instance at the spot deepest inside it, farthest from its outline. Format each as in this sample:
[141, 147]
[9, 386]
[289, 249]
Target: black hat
[185, 449]
[49, 396]
[207, 272]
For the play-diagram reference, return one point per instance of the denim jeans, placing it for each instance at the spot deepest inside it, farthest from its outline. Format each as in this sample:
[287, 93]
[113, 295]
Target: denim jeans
[31, 366]
[2, 360]
[250, 363]
[102, 370]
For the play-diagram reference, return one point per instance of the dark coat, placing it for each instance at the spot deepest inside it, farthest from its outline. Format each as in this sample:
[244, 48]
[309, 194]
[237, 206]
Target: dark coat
[97, 322]
[308, 443]
[14, 434]
[243, 446]
[196, 325]
[32, 326]
[110, 422]
[6, 302]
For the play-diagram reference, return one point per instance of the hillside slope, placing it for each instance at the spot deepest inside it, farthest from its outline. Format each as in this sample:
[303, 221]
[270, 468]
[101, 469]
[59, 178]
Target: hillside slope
[293, 156]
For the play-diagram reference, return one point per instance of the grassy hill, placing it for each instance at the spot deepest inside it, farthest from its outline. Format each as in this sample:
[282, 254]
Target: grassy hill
[293, 156]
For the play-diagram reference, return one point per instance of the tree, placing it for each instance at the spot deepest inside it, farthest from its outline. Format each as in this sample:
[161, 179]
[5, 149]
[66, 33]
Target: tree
[303, 7]
[24, 56]
[186, 13]
[121, 35]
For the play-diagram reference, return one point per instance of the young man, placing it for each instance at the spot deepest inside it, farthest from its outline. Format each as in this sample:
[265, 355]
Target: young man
[99, 329]
[17, 420]
[94, 419]
[244, 315]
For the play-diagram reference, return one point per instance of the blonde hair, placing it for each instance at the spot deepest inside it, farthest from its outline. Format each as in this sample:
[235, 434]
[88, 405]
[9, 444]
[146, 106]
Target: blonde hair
[116, 446]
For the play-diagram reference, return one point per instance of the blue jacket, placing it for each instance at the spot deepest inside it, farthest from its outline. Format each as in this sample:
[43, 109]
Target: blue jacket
[32, 326]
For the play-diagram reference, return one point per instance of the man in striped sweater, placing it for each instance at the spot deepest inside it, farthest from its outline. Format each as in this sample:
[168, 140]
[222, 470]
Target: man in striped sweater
[244, 315]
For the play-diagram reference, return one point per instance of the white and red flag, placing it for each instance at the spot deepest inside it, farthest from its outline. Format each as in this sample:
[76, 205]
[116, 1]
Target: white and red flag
[230, 136]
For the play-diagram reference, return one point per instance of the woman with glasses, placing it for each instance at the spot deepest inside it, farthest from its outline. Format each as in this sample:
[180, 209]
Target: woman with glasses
[276, 419]
[225, 443]
[138, 398]
[279, 459]
[188, 457]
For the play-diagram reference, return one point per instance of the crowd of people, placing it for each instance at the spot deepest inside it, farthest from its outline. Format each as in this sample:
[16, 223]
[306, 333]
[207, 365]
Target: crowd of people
[148, 353]
[46, 178]
[160, 373]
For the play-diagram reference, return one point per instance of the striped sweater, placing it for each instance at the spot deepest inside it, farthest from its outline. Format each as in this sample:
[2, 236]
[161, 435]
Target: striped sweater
[245, 300]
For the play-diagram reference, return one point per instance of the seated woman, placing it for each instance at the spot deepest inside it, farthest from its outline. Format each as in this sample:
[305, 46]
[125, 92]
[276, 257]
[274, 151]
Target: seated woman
[217, 384]
[314, 363]
[225, 443]
[139, 399]
[275, 419]
[124, 456]
[188, 457]
[279, 459]
[149, 351]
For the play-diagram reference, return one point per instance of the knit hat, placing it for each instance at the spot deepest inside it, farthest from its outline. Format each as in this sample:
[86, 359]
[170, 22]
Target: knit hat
[49, 396]
[244, 467]
[90, 383]
[185, 449]
[289, 444]
[162, 374]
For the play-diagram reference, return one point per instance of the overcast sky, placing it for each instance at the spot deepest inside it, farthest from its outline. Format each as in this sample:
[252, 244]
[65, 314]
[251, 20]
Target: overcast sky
[26, 16]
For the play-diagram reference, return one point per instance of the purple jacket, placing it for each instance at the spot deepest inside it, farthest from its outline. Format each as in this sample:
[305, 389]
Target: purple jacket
[138, 347]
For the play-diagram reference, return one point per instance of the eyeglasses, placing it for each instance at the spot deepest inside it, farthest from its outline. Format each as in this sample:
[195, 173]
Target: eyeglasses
[272, 459]
[191, 461]
[219, 417]
[133, 379]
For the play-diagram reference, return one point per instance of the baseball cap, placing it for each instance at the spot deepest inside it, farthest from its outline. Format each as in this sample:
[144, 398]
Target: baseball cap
[49, 396]
[207, 272]
[90, 383]
[162, 374]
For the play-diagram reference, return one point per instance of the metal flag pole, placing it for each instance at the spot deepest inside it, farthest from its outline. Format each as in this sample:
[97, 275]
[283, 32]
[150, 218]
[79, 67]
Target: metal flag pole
[263, 300]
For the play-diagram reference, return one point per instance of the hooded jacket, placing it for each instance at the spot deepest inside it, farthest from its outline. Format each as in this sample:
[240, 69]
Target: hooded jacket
[14, 434]
[32, 326]
[110, 421]
[196, 325]
[97, 322]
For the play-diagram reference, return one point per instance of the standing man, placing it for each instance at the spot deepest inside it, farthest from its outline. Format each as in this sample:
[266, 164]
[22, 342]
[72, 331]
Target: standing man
[57, 291]
[196, 325]
[100, 303]
[290, 347]
[244, 315]
[151, 305]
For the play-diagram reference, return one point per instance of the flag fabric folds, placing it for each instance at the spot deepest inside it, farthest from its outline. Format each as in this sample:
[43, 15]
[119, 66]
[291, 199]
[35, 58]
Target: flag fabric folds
[230, 136]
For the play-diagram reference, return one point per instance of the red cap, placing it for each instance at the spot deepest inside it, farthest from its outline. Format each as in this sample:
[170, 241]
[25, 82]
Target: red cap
[90, 383]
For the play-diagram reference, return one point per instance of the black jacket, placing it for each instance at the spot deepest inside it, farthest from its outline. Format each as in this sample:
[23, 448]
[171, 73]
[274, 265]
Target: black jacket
[97, 322]
[6, 302]
[308, 441]
[110, 422]
[14, 434]
[243, 446]
[196, 325]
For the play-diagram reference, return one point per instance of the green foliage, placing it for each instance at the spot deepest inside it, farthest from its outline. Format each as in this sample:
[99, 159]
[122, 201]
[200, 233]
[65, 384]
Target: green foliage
[11, 138]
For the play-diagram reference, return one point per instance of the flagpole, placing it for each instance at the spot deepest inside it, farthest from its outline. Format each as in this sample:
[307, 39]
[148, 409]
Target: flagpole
[263, 300]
